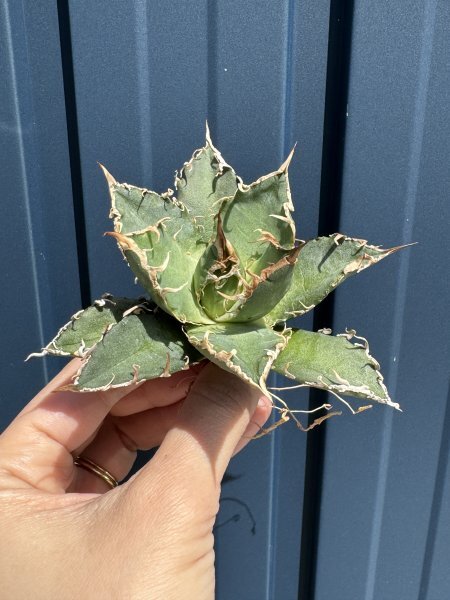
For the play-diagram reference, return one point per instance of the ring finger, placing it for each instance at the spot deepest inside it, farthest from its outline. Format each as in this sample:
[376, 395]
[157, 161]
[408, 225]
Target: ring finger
[118, 439]
[115, 446]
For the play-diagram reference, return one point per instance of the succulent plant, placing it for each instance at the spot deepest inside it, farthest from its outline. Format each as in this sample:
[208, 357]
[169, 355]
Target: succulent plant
[223, 272]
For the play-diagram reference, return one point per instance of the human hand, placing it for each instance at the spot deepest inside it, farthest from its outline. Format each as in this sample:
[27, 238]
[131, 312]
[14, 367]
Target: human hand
[65, 534]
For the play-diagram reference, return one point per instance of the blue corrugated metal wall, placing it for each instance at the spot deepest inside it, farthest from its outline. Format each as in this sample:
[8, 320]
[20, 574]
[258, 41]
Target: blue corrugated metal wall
[359, 509]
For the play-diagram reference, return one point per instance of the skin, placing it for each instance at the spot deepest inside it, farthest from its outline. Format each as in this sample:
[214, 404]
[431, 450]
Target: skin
[65, 534]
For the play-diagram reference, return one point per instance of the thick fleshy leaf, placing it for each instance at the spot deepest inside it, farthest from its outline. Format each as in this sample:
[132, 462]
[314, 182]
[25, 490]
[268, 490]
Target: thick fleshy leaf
[161, 243]
[228, 293]
[333, 363]
[202, 183]
[258, 221]
[218, 274]
[265, 290]
[245, 350]
[136, 209]
[322, 264]
[164, 260]
[140, 347]
[87, 327]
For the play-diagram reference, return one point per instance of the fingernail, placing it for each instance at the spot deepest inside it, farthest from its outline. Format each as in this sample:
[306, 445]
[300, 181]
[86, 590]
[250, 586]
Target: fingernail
[263, 401]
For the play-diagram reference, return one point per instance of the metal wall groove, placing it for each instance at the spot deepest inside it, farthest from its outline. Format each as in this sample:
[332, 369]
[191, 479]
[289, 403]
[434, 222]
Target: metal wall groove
[65, 37]
[334, 127]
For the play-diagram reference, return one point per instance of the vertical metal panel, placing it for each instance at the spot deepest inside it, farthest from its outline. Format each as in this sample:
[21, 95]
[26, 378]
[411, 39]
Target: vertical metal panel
[307, 30]
[167, 47]
[261, 90]
[380, 468]
[141, 92]
[145, 79]
[248, 74]
[39, 259]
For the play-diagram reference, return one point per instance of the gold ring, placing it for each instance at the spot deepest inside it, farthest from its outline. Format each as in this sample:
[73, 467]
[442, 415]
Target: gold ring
[92, 467]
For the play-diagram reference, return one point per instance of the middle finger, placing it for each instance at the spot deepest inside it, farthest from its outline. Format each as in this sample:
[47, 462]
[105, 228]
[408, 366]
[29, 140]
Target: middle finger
[157, 392]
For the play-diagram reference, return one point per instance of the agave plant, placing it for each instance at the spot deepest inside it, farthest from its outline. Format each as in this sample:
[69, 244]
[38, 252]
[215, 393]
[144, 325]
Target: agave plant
[223, 272]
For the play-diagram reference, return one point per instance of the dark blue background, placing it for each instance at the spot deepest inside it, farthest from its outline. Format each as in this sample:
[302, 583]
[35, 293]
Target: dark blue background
[359, 509]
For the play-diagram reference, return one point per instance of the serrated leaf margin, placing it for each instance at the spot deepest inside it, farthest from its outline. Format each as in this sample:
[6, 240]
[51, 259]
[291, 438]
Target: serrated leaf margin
[226, 357]
[343, 386]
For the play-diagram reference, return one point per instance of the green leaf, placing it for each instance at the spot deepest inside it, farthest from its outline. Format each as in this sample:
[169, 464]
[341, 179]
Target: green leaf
[136, 209]
[87, 327]
[333, 363]
[218, 274]
[162, 245]
[202, 183]
[165, 270]
[245, 350]
[258, 221]
[265, 290]
[229, 294]
[138, 348]
[324, 263]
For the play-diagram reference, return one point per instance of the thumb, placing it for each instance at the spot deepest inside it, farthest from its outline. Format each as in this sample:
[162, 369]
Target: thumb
[210, 424]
